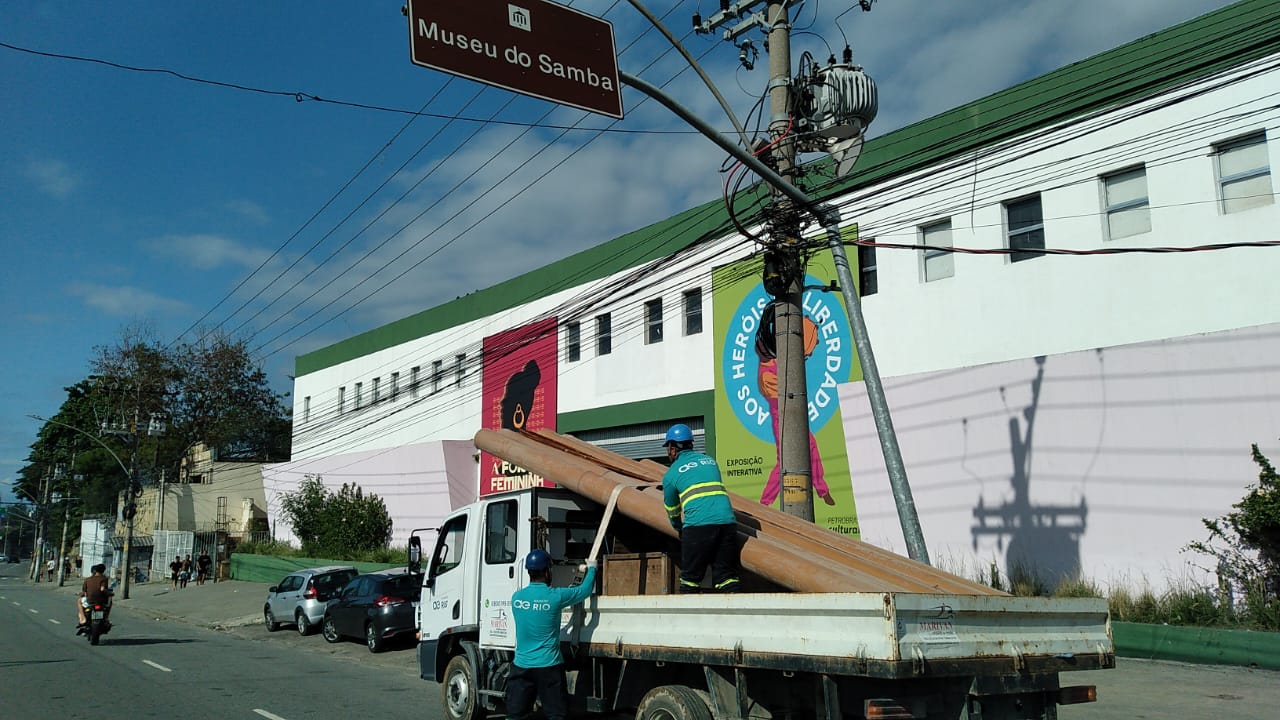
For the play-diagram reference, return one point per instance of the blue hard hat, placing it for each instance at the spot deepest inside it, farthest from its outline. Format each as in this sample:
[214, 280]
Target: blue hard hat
[678, 433]
[537, 560]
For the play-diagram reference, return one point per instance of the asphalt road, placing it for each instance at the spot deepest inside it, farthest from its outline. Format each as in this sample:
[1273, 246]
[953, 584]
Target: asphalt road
[150, 667]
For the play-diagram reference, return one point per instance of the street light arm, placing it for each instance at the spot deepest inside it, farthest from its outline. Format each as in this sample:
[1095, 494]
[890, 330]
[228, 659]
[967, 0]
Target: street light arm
[693, 63]
[740, 154]
[91, 437]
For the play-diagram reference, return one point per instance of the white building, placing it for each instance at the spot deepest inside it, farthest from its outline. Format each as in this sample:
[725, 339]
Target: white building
[1060, 414]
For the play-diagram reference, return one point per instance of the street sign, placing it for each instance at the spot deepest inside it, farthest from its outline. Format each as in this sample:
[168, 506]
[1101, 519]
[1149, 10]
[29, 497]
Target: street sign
[533, 47]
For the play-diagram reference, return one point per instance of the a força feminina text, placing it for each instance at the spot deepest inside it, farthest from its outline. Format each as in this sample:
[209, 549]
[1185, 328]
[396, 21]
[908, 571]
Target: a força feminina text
[545, 63]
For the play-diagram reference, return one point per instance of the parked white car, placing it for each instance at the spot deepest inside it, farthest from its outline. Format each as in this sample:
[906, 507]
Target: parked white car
[301, 596]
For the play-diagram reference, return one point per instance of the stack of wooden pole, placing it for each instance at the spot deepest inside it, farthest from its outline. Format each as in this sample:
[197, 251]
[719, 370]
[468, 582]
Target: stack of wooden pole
[784, 549]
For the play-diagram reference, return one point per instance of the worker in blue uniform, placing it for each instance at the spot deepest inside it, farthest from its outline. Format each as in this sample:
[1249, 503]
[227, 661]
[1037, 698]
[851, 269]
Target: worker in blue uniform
[539, 667]
[699, 509]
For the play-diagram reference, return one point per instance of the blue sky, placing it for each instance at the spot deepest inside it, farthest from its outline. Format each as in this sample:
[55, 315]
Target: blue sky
[133, 197]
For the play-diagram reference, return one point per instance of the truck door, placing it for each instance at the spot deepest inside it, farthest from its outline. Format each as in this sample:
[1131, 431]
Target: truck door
[445, 600]
[501, 569]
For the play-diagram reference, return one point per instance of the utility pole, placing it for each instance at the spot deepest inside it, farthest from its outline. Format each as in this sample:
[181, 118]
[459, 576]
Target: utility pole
[787, 267]
[836, 123]
[42, 528]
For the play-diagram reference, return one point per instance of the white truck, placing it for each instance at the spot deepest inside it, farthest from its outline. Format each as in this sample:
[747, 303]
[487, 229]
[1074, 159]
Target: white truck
[636, 647]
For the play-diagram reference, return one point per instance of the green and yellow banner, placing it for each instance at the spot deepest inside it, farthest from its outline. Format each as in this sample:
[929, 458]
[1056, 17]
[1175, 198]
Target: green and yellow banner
[747, 388]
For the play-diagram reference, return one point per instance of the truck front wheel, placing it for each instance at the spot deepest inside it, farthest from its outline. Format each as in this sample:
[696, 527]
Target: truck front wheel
[461, 701]
[673, 702]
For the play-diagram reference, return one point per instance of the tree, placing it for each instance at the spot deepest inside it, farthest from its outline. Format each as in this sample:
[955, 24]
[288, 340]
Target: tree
[1246, 546]
[223, 399]
[337, 525]
[305, 509]
[166, 400]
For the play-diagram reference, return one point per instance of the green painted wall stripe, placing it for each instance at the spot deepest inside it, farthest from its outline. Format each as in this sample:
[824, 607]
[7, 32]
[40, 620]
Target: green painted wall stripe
[692, 404]
[1210, 646]
[270, 569]
[1183, 53]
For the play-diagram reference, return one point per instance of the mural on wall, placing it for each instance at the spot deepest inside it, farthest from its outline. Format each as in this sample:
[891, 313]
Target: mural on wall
[747, 389]
[518, 377]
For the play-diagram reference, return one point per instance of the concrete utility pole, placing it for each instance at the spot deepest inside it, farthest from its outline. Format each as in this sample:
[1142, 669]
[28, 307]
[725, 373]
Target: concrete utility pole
[42, 528]
[784, 266]
[784, 261]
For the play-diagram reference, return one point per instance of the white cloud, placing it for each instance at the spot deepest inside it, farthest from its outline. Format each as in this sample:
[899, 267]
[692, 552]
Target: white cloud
[53, 177]
[249, 210]
[207, 251]
[126, 301]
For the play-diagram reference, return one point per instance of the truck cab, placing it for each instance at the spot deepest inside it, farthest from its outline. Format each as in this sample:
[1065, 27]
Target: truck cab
[466, 628]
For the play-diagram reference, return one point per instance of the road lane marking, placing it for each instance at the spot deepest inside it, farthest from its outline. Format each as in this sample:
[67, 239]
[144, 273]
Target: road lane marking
[55, 622]
[267, 715]
[157, 666]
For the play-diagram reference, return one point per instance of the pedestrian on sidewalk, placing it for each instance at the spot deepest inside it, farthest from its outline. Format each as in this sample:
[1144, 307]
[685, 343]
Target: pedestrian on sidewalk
[203, 563]
[185, 573]
[175, 567]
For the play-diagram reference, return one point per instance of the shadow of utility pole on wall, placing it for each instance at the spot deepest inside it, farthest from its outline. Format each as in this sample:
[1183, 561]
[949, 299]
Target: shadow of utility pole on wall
[1041, 542]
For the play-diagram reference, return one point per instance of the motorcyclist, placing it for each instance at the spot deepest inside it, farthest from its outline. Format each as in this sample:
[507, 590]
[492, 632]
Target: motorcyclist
[96, 589]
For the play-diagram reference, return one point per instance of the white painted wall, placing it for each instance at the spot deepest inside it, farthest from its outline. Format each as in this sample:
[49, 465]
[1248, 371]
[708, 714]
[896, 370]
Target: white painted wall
[1133, 445]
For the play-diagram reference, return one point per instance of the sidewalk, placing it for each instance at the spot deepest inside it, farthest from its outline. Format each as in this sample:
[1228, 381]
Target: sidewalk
[225, 604]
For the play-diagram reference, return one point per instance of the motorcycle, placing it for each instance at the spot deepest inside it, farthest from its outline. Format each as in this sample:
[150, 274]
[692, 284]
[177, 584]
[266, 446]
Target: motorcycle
[96, 617]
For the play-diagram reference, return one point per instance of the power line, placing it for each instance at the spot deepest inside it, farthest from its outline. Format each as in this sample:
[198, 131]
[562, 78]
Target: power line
[299, 96]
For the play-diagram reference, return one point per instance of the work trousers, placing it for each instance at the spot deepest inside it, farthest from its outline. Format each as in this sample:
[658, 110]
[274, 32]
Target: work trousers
[547, 684]
[714, 545]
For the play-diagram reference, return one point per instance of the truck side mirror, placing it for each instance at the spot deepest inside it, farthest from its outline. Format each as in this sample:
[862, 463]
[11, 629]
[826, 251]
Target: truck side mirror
[415, 554]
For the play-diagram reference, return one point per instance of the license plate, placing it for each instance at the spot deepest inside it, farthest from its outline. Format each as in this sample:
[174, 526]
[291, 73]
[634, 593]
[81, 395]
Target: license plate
[98, 615]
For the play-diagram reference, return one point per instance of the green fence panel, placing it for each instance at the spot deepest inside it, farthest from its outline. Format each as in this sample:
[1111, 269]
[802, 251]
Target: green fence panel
[269, 568]
[1211, 646]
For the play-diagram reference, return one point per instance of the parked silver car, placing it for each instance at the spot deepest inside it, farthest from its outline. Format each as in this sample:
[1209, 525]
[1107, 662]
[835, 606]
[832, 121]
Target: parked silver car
[301, 596]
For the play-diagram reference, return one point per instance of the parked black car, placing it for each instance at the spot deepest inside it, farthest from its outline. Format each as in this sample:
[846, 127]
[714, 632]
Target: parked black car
[377, 606]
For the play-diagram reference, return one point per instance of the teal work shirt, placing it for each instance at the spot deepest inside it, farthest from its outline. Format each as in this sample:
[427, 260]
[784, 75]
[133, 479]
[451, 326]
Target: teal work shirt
[536, 609]
[693, 492]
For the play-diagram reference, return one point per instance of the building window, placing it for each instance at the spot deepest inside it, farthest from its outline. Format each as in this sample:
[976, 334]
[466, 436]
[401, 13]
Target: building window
[415, 377]
[573, 341]
[459, 369]
[938, 264]
[1244, 175]
[393, 392]
[342, 399]
[1026, 228]
[359, 394]
[653, 321]
[375, 391]
[437, 375]
[693, 311]
[306, 409]
[604, 334]
[867, 270]
[1124, 195]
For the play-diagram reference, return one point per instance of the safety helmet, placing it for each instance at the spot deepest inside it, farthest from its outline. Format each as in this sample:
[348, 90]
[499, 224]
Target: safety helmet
[537, 560]
[678, 433]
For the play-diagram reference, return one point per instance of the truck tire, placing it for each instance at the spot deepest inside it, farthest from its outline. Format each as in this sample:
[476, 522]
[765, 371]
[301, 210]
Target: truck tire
[459, 692]
[673, 702]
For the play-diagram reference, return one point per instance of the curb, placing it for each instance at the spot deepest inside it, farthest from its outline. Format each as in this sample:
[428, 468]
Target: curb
[1206, 646]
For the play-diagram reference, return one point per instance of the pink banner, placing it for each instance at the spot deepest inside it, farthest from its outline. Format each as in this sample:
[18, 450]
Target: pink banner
[519, 387]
